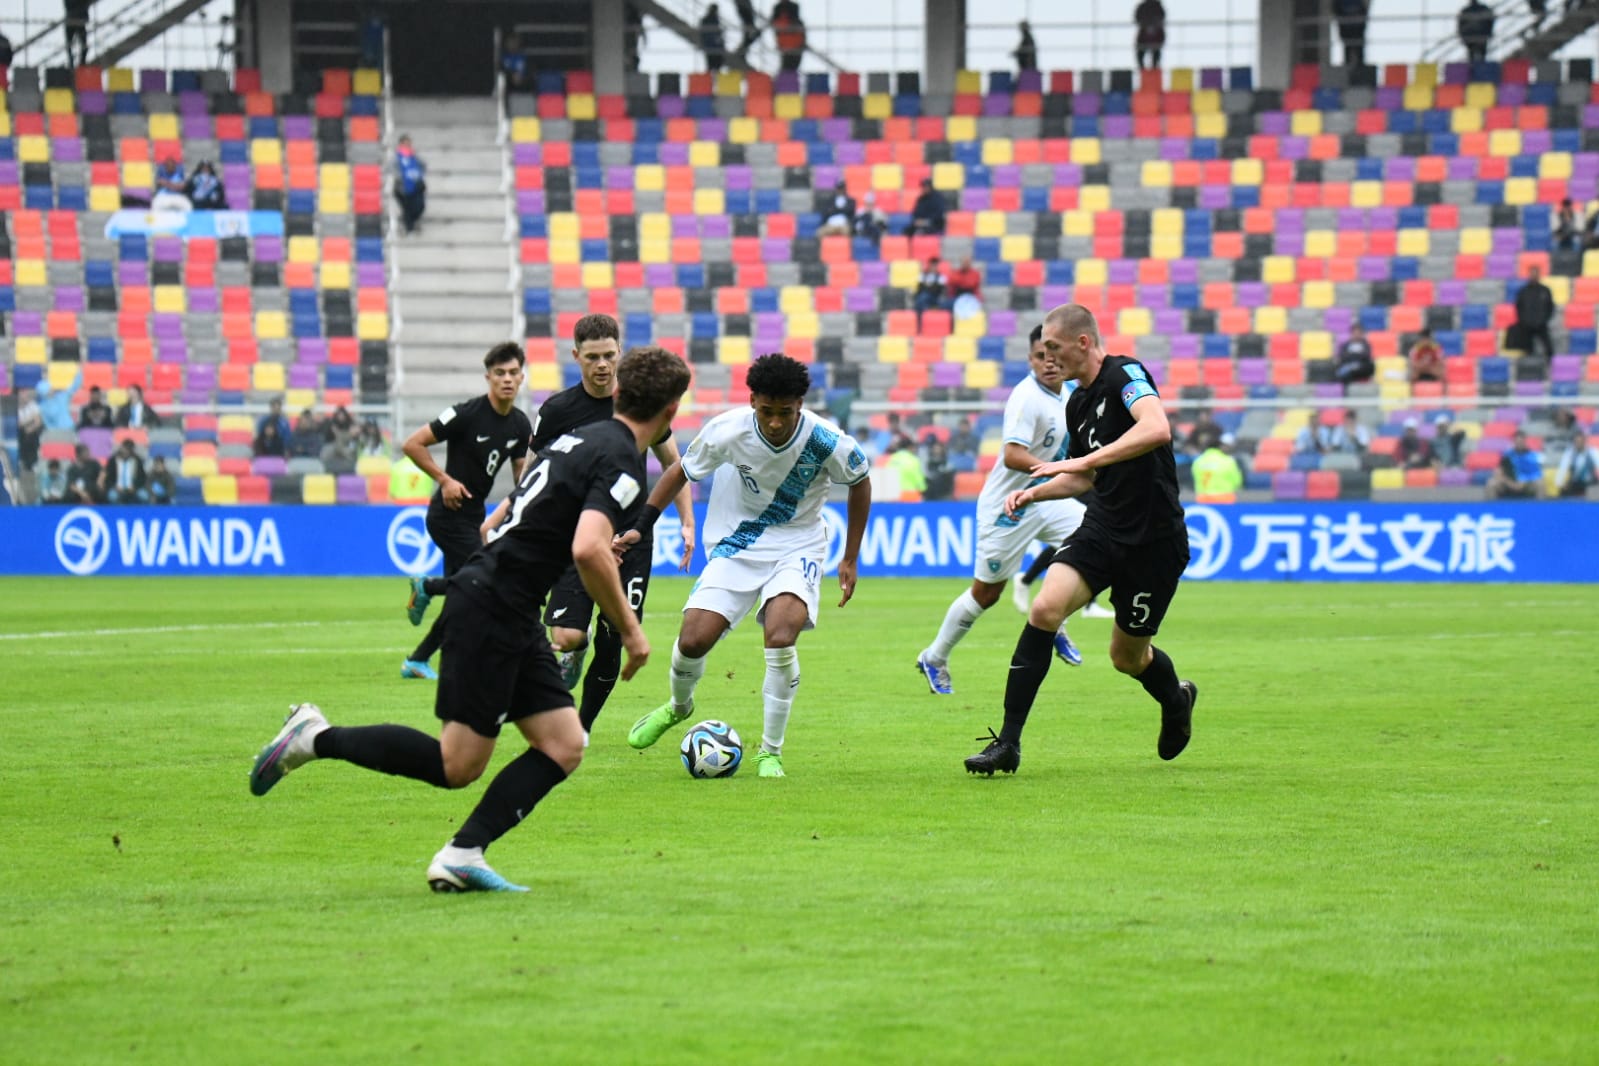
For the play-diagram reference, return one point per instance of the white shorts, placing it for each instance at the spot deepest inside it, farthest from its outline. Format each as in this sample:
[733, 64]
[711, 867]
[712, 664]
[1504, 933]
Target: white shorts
[1002, 542]
[732, 586]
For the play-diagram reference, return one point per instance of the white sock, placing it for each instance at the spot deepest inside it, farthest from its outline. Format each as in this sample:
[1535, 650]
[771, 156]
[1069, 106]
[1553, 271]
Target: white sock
[782, 681]
[686, 674]
[957, 623]
[450, 855]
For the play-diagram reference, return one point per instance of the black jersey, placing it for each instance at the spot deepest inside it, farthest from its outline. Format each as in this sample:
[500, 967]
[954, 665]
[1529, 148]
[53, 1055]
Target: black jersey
[570, 408]
[481, 440]
[595, 468]
[1135, 500]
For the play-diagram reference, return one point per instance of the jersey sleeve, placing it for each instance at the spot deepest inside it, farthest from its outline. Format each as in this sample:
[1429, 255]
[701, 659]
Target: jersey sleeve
[848, 464]
[541, 418]
[612, 489]
[449, 422]
[523, 445]
[1077, 444]
[1018, 426]
[706, 453]
[1132, 384]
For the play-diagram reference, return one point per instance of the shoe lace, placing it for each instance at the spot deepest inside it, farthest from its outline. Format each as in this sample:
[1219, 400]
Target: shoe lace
[993, 741]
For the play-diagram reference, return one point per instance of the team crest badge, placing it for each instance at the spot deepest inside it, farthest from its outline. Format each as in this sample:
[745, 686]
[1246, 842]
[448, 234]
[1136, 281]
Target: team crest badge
[807, 471]
[993, 566]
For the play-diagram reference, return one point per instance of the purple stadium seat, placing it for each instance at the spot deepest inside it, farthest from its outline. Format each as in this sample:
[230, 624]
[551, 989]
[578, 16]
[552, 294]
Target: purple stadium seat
[530, 202]
[1123, 271]
[27, 323]
[197, 127]
[837, 130]
[670, 107]
[204, 301]
[371, 276]
[269, 249]
[1119, 127]
[976, 199]
[526, 154]
[850, 154]
[91, 102]
[738, 178]
[1565, 368]
[351, 488]
[1173, 149]
[312, 351]
[193, 102]
[298, 127]
[1184, 346]
[948, 375]
[874, 275]
[1273, 124]
[1454, 477]
[69, 298]
[202, 380]
[268, 465]
[1170, 321]
[717, 227]
[304, 376]
[1337, 320]
[66, 149]
[98, 440]
[659, 275]
[1253, 372]
[1183, 272]
[674, 154]
[1002, 323]
[1288, 485]
[152, 81]
[862, 300]
[684, 226]
[1211, 78]
[1054, 295]
[1155, 297]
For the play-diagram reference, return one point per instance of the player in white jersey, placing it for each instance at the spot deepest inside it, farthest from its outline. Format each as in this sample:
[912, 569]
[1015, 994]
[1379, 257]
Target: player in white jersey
[1035, 432]
[765, 540]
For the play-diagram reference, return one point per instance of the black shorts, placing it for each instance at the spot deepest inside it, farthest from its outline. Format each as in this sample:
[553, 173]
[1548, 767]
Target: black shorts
[569, 605]
[457, 533]
[1142, 577]
[494, 670]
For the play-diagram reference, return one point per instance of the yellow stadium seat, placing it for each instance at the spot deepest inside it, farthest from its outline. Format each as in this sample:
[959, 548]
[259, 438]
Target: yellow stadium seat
[1559, 288]
[790, 106]
[1085, 151]
[887, 177]
[960, 128]
[1424, 74]
[564, 226]
[580, 107]
[733, 351]
[1093, 198]
[704, 154]
[61, 375]
[119, 80]
[652, 226]
[59, 102]
[1077, 223]
[649, 251]
[271, 325]
[303, 249]
[334, 175]
[893, 349]
[31, 272]
[197, 466]
[1293, 420]
[1418, 97]
[335, 275]
[743, 130]
[1476, 240]
[1465, 120]
[265, 152]
[1365, 194]
[319, 488]
[299, 399]
[104, 198]
[1248, 172]
[904, 273]
[1387, 478]
[235, 423]
[1156, 174]
[1555, 166]
[877, 105]
[1320, 243]
[333, 201]
[367, 82]
[998, 153]
[1270, 320]
[1210, 125]
[1207, 102]
[969, 329]
[525, 130]
[1316, 294]
[1092, 272]
[805, 325]
[33, 148]
[651, 177]
[1521, 191]
[372, 325]
[566, 250]
[949, 177]
[1134, 322]
[135, 175]
[1277, 270]
[1181, 80]
[1504, 142]
[541, 377]
[983, 374]
[5, 119]
[990, 224]
[1016, 248]
[710, 202]
[961, 349]
[1481, 95]
[1165, 247]
[1316, 344]
[170, 299]
[598, 276]
[730, 83]
[1166, 222]
[1305, 123]
[795, 300]
[1590, 263]
[219, 489]
[164, 127]
[267, 377]
[1415, 242]
[968, 81]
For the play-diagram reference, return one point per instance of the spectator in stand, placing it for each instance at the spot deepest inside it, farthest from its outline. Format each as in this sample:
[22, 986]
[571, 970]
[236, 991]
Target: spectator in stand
[1475, 24]
[76, 24]
[1590, 227]
[1565, 430]
[513, 64]
[269, 440]
[902, 460]
[1351, 15]
[53, 483]
[370, 441]
[274, 414]
[1151, 19]
[749, 22]
[55, 405]
[838, 213]
[308, 437]
[30, 427]
[870, 222]
[204, 189]
[372, 33]
[1426, 359]
[1415, 453]
[712, 41]
[136, 414]
[930, 288]
[83, 477]
[1217, 476]
[171, 187]
[962, 441]
[1520, 472]
[339, 455]
[123, 480]
[936, 469]
[927, 216]
[1348, 436]
[340, 424]
[1448, 443]
[965, 282]
[1204, 434]
[96, 414]
[160, 483]
[1354, 358]
[6, 52]
[1568, 226]
[789, 29]
[1026, 51]
[410, 184]
[1535, 309]
[1579, 468]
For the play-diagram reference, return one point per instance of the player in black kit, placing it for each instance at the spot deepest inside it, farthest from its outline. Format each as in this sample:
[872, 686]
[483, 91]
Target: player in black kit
[1132, 538]
[596, 347]
[483, 433]
[498, 667]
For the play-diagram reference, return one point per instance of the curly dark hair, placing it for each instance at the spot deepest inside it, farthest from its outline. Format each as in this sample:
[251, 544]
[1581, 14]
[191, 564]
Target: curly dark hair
[779, 377]
[507, 352]
[648, 379]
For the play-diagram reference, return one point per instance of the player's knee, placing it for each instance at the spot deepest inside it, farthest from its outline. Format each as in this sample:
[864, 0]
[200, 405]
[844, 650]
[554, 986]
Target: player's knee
[458, 773]
[694, 647]
[985, 594]
[1130, 661]
[565, 752]
[1045, 614]
[565, 640]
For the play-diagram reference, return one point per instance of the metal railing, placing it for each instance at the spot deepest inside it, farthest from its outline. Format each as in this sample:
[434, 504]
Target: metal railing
[201, 41]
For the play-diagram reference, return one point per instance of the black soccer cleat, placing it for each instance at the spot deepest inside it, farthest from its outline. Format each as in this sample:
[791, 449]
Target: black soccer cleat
[1000, 755]
[1177, 728]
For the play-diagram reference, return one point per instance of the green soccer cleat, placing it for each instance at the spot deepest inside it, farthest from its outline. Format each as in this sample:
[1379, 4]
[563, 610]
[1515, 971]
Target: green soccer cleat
[417, 605]
[653, 726]
[769, 764]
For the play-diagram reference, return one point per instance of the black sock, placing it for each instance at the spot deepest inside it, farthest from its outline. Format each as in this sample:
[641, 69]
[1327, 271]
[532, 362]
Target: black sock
[604, 668]
[1028, 665]
[389, 749]
[1040, 564]
[430, 643]
[1160, 681]
[435, 586]
[509, 798]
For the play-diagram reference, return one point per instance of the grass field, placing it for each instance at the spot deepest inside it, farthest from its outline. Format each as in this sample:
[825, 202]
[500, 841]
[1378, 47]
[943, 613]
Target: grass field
[1381, 847]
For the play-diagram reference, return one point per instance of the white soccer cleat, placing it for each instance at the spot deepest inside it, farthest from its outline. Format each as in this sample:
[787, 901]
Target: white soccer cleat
[1019, 594]
[465, 870]
[1094, 610]
[293, 747]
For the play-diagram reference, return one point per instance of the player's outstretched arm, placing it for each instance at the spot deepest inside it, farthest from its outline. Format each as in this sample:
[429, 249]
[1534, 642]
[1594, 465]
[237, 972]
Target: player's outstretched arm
[683, 499]
[1150, 430]
[672, 482]
[1059, 487]
[858, 509]
[596, 565]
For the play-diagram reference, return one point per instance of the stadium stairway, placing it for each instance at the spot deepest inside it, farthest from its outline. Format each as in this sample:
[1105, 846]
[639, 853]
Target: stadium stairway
[454, 284]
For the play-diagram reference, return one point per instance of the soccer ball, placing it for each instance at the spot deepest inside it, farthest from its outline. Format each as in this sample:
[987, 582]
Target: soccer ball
[711, 749]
